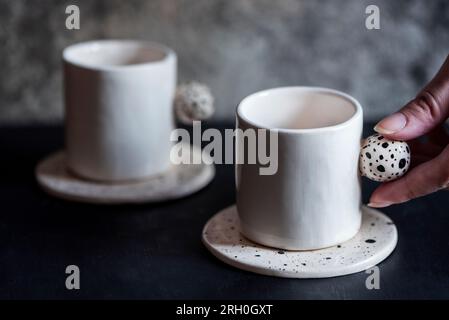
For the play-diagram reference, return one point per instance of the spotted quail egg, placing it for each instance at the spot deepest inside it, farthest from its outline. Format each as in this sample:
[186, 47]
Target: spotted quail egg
[382, 159]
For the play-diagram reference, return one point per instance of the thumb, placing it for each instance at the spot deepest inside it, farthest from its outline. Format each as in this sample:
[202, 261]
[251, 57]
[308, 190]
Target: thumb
[429, 109]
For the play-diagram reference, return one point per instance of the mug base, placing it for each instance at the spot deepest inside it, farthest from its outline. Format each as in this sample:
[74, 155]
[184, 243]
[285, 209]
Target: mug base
[374, 242]
[280, 243]
[79, 175]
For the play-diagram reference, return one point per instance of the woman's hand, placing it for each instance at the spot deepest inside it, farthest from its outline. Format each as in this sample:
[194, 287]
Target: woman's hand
[423, 117]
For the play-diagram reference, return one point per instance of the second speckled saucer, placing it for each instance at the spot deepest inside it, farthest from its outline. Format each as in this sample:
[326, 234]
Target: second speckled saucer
[180, 181]
[374, 242]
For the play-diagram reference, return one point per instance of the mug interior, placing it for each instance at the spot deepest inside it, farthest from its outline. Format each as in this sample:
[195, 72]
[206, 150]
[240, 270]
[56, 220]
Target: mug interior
[114, 53]
[297, 108]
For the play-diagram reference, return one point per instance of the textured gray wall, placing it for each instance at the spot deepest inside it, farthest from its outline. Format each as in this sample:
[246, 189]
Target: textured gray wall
[236, 46]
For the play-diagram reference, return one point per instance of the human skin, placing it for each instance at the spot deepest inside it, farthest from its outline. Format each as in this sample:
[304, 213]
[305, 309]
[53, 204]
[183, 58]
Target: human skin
[421, 118]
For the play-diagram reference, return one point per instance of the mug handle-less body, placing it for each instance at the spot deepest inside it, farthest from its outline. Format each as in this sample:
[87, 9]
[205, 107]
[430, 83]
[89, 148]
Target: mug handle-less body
[119, 108]
[313, 201]
[119, 103]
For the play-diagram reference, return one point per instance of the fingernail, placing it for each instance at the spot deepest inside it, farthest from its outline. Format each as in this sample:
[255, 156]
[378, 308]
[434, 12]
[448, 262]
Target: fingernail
[379, 204]
[391, 124]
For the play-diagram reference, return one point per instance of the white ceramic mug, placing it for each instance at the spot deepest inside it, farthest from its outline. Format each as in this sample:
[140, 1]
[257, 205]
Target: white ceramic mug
[118, 103]
[313, 201]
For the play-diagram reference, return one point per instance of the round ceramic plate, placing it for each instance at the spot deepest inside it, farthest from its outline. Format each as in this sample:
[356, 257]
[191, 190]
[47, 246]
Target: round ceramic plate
[181, 180]
[375, 241]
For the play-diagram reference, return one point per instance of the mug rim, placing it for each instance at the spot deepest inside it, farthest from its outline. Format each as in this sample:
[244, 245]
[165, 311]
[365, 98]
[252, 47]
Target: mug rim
[168, 54]
[356, 115]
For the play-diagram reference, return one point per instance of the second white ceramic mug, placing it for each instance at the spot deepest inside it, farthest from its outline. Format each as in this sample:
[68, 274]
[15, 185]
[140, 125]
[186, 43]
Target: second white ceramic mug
[119, 108]
[313, 201]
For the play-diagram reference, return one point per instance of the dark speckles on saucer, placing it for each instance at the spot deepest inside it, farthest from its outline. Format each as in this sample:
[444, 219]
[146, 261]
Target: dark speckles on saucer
[374, 242]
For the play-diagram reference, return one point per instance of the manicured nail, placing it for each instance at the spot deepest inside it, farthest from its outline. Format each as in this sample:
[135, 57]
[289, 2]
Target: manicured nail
[379, 204]
[391, 124]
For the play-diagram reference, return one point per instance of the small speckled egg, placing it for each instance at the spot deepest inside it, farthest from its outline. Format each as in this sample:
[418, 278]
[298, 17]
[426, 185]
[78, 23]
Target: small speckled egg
[193, 101]
[382, 159]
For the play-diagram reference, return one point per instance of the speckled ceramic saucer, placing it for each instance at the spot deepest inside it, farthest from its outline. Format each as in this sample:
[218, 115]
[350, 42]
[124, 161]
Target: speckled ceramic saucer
[375, 241]
[181, 180]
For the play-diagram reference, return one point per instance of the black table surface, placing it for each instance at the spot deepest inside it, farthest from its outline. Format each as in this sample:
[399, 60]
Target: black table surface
[154, 251]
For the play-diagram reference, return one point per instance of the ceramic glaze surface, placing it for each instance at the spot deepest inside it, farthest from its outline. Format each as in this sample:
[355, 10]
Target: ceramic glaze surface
[382, 159]
[119, 108]
[314, 199]
[374, 242]
[113, 53]
[297, 108]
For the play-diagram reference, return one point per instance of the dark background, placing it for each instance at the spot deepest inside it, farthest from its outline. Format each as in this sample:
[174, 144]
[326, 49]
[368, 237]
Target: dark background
[154, 251]
[235, 46]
